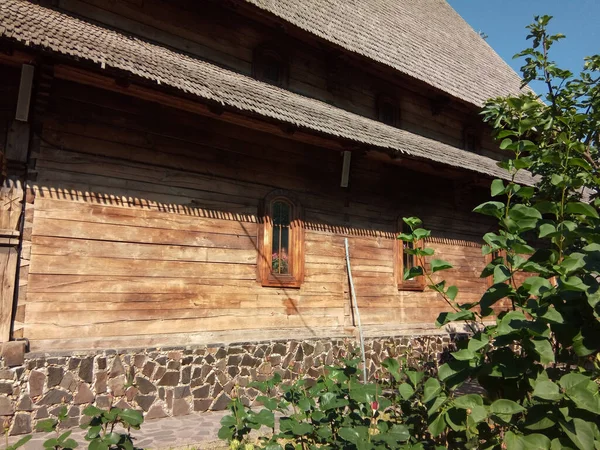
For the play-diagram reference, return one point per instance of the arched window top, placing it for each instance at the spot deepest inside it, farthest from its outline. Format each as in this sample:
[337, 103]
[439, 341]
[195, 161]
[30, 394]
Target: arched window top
[269, 65]
[281, 241]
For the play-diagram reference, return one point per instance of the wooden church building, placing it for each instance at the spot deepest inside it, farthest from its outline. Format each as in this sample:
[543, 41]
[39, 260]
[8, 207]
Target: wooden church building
[180, 178]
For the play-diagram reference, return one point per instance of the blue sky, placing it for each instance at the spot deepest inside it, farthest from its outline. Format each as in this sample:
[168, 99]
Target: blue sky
[504, 22]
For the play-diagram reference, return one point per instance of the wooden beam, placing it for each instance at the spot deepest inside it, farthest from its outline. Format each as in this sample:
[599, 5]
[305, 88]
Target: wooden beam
[11, 197]
[81, 76]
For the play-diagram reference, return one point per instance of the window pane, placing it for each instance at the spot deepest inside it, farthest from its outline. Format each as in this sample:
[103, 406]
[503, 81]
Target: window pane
[271, 70]
[281, 237]
[387, 113]
[408, 260]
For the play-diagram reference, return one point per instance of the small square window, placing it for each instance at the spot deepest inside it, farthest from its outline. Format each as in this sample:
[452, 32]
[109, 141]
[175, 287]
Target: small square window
[388, 111]
[269, 66]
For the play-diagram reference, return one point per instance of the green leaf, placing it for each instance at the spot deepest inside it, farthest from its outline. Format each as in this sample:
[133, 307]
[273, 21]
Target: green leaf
[478, 342]
[501, 274]
[438, 425]
[92, 411]
[330, 400]
[505, 143]
[580, 433]
[447, 317]
[463, 355]
[438, 264]
[431, 388]
[505, 407]
[412, 222]
[468, 401]
[536, 286]
[406, 391]
[544, 349]
[497, 187]
[415, 377]
[452, 292]
[581, 208]
[132, 417]
[547, 229]
[46, 425]
[534, 441]
[494, 209]
[547, 390]
[413, 272]
[349, 434]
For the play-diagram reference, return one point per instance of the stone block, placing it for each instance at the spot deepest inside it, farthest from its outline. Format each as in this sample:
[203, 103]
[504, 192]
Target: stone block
[73, 363]
[155, 412]
[187, 360]
[279, 348]
[180, 407]
[131, 392]
[6, 406]
[86, 369]
[145, 401]
[84, 395]
[173, 365]
[123, 404]
[139, 360]
[117, 368]
[169, 379]
[148, 369]
[202, 405]
[160, 371]
[202, 392]
[41, 413]
[68, 382]
[117, 385]
[175, 356]
[101, 363]
[220, 402]
[103, 401]
[186, 375]
[55, 376]
[6, 388]
[24, 404]
[13, 353]
[100, 383]
[182, 392]
[21, 424]
[7, 374]
[55, 397]
[234, 360]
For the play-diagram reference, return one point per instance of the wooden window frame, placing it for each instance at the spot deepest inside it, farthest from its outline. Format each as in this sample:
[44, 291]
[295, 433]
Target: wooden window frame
[259, 57]
[415, 284]
[295, 277]
[386, 99]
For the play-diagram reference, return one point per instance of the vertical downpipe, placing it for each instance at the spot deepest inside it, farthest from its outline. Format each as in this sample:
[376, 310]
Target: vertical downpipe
[356, 312]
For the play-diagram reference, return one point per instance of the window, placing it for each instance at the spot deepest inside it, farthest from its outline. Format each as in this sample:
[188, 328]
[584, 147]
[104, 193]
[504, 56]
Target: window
[388, 111]
[281, 241]
[471, 140]
[269, 66]
[404, 261]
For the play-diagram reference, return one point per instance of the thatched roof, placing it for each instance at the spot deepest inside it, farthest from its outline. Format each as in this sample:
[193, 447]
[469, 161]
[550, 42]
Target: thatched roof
[50, 30]
[425, 39]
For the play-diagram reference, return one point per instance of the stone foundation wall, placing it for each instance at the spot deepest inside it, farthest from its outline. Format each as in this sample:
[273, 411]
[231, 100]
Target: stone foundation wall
[177, 381]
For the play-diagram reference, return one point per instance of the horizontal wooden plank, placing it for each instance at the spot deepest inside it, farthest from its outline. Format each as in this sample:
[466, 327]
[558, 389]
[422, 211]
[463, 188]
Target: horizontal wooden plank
[110, 232]
[52, 246]
[77, 265]
[125, 327]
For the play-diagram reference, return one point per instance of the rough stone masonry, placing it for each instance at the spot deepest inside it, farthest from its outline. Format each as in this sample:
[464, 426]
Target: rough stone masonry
[177, 381]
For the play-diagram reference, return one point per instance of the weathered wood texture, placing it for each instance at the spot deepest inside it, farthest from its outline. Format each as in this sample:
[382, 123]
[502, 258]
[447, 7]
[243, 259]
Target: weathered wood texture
[145, 224]
[228, 37]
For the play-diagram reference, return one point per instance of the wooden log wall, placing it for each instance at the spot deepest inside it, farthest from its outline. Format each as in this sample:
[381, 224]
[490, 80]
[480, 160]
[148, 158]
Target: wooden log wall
[144, 231]
[221, 35]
